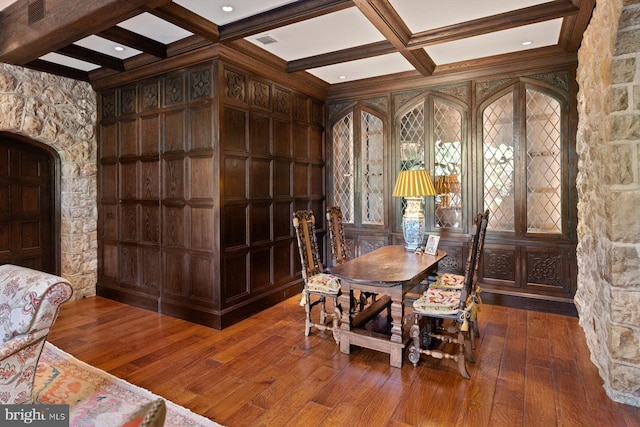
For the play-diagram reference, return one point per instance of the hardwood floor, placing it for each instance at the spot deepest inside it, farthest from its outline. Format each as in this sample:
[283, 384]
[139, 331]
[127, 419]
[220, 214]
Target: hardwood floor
[532, 369]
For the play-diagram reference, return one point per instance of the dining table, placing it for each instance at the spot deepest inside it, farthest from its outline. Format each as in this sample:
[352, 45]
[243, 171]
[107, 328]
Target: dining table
[389, 272]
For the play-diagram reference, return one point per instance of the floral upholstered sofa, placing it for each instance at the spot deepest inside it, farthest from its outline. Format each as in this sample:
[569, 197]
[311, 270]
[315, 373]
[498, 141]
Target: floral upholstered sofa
[29, 303]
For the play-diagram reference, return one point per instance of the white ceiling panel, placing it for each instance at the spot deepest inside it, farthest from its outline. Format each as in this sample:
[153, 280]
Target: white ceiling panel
[541, 34]
[154, 28]
[56, 58]
[348, 28]
[212, 9]
[5, 3]
[363, 68]
[422, 15]
[107, 47]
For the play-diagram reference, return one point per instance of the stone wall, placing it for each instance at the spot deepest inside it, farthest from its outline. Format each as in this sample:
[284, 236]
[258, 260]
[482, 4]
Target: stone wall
[608, 141]
[61, 113]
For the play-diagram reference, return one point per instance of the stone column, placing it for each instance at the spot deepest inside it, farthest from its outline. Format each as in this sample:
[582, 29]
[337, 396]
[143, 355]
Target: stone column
[61, 113]
[608, 140]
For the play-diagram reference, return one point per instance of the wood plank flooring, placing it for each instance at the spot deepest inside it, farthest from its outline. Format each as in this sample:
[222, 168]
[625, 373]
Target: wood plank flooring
[532, 369]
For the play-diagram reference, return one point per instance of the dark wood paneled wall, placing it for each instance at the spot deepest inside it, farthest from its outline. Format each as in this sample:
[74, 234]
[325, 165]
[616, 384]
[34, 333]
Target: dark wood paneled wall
[199, 172]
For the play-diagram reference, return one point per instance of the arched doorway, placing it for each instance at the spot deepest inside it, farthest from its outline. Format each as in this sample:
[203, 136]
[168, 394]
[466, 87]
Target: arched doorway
[29, 210]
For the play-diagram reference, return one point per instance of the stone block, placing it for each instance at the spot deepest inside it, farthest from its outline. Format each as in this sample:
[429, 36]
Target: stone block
[8, 82]
[620, 167]
[622, 209]
[624, 379]
[623, 70]
[636, 97]
[619, 98]
[625, 127]
[624, 267]
[629, 18]
[628, 42]
[624, 344]
[624, 307]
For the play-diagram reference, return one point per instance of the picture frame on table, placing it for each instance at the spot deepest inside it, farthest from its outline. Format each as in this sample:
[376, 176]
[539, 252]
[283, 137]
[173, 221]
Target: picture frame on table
[431, 248]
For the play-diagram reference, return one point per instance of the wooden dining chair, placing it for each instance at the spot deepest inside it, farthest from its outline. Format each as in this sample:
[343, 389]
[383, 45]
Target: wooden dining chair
[318, 285]
[449, 313]
[341, 253]
[452, 281]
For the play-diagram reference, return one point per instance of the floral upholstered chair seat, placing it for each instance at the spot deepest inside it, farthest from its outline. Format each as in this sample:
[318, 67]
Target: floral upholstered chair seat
[324, 282]
[437, 301]
[29, 302]
[449, 281]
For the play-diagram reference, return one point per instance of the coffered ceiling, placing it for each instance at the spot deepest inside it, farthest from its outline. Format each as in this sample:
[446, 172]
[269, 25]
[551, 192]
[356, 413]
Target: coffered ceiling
[337, 41]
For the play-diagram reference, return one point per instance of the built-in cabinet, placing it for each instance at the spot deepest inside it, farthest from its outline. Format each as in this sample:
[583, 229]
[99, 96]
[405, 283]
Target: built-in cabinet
[504, 144]
[200, 170]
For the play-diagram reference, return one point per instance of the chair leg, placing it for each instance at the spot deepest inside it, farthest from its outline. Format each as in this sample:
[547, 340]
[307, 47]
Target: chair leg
[337, 315]
[414, 347]
[462, 365]
[307, 309]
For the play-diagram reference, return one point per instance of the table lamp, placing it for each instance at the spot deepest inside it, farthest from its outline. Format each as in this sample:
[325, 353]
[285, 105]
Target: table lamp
[413, 185]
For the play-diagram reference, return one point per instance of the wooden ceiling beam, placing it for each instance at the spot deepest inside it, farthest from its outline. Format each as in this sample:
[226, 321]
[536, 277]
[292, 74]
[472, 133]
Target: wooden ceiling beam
[344, 55]
[27, 36]
[503, 21]
[284, 15]
[187, 20]
[88, 55]
[134, 40]
[385, 18]
[57, 69]
[573, 26]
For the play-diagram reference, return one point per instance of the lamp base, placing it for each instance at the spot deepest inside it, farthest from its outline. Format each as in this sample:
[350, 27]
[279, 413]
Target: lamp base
[413, 224]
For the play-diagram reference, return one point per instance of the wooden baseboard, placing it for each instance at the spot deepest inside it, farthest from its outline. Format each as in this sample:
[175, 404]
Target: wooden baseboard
[566, 308]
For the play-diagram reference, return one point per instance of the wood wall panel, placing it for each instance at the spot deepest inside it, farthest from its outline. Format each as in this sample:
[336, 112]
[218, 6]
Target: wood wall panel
[260, 222]
[201, 178]
[235, 268]
[260, 269]
[282, 178]
[281, 138]
[128, 180]
[108, 140]
[282, 213]
[201, 272]
[196, 194]
[173, 130]
[301, 180]
[260, 134]
[234, 179]
[173, 231]
[202, 226]
[234, 133]
[260, 178]
[149, 180]
[150, 135]
[300, 141]
[128, 141]
[201, 130]
[234, 226]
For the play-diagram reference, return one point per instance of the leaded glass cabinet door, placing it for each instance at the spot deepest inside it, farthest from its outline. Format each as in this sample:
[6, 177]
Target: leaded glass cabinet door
[358, 147]
[431, 134]
[523, 161]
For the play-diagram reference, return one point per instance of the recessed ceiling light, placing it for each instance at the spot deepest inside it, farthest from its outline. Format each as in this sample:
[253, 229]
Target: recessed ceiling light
[118, 48]
[342, 77]
[227, 8]
[527, 43]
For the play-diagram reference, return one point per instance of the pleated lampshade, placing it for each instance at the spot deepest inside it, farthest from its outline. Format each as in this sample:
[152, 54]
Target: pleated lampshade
[413, 183]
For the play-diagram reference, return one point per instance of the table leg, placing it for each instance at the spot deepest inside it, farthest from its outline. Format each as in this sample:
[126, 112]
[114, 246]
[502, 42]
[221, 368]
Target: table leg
[397, 328]
[345, 302]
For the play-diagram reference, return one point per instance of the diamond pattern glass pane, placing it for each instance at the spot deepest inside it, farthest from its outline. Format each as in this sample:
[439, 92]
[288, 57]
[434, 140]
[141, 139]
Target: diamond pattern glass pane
[544, 167]
[447, 134]
[343, 167]
[498, 150]
[372, 179]
[412, 141]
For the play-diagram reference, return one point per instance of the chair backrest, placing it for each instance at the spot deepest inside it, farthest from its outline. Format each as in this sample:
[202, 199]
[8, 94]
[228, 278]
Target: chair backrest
[336, 235]
[304, 223]
[475, 252]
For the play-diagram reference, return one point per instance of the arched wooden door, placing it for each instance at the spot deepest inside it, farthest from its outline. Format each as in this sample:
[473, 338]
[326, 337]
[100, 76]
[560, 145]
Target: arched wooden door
[27, 205]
